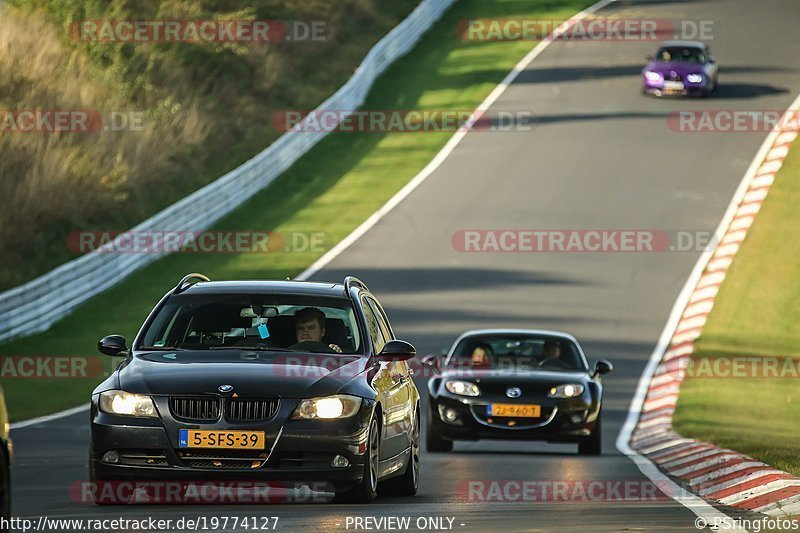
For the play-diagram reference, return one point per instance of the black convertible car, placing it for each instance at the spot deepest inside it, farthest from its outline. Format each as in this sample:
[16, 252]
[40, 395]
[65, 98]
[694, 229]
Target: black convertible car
[515, 384]
[260, 381]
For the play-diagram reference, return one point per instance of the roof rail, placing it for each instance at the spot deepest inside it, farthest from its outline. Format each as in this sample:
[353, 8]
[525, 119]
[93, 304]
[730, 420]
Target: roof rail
[184, 283]
[352, 281]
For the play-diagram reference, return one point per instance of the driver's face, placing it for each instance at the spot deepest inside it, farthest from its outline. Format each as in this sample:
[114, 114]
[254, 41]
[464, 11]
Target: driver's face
[309, 331]
[552, 352]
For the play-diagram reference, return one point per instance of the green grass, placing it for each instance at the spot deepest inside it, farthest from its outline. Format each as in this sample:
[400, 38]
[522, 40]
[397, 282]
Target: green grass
[333, 189]
[756, 313]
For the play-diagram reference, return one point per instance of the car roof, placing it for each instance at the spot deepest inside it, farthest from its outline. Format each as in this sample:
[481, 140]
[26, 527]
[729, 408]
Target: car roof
[310, 288]
[512, 331]
[685, 44]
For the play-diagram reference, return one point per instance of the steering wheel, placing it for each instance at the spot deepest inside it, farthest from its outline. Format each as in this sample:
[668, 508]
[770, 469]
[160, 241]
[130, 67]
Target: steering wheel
[312, 346]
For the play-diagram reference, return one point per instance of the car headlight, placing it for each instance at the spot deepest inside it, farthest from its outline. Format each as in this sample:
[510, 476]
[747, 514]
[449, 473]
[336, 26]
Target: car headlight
[694, 78]
[117, 402]
[462, 388]
[327, 408]
[652, 76]
[569, 390]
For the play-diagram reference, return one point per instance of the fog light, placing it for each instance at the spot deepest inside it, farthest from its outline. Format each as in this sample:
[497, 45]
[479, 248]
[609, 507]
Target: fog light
[110, 457]
[340, 461]
[449, 415]
[576, 419]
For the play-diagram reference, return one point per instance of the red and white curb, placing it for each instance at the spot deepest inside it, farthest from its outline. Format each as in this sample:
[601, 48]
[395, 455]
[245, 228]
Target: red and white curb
[720, 476]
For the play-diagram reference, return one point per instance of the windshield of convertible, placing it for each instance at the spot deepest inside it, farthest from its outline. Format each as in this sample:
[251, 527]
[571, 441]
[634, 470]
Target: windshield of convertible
[682, 54]
[517, 353]
[260, 322]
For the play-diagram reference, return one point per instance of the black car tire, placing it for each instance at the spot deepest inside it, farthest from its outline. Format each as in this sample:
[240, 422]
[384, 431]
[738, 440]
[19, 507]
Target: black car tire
[593, 444]
[434, 442]
[408, 483]
[5, 492]
[367, 490]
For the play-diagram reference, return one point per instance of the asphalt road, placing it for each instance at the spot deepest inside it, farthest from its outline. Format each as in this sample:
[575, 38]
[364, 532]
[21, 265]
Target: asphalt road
[598, 156]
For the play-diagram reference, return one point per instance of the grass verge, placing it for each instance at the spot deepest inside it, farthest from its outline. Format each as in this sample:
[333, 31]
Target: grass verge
[755, 314]
[333, 189]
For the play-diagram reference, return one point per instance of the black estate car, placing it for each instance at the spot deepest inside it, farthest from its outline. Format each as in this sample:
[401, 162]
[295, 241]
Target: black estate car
[260, 381]
[515, 384]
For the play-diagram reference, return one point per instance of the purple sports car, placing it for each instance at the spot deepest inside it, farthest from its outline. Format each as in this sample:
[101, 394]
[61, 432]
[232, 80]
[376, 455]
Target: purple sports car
[681, 67]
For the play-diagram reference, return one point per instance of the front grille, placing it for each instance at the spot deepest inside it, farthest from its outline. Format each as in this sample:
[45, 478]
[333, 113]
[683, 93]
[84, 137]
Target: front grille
[673, 76]
[229, 460]
[250, 409]
[201, 409]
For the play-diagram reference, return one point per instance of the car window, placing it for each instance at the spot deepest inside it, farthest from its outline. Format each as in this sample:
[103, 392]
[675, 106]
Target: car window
[518, 353]
[683, 54]
[373, 326]
[383, 322]
[252, 321]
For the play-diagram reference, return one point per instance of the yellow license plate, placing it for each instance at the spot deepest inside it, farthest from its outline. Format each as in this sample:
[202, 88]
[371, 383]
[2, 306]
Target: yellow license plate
[515, 410]
[212, 438]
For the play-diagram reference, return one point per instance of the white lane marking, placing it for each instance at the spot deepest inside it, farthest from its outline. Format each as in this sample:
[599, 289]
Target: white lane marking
[698, 506]
[444, 153]
[48, 418]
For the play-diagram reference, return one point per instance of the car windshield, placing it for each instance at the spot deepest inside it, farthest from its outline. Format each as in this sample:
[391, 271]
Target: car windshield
[246, 321]
[518, 352]
[680, 54]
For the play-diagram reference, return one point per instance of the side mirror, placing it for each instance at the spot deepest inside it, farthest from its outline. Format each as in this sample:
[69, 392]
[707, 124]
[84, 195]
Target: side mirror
[603, 366]
[649, 58]
[397, 351]
[113, 345]
[434, 362]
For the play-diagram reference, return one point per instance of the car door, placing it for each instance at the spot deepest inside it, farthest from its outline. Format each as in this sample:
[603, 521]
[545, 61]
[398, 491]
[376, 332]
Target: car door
[403, 414]
[387, 385]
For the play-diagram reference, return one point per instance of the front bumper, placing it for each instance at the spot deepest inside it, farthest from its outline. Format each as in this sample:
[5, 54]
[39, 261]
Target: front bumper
[299, 451]
[658, 88]
[555, 424]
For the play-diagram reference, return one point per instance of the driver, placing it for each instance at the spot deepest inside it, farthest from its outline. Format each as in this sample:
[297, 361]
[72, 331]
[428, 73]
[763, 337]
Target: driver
[309, 326]
[551, 354]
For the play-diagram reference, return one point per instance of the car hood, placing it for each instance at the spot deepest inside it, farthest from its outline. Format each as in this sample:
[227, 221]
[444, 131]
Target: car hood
[682, 69]
[250, 373]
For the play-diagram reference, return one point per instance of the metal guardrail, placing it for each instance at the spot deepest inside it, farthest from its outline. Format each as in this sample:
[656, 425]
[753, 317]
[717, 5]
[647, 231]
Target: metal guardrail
[69, 285]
